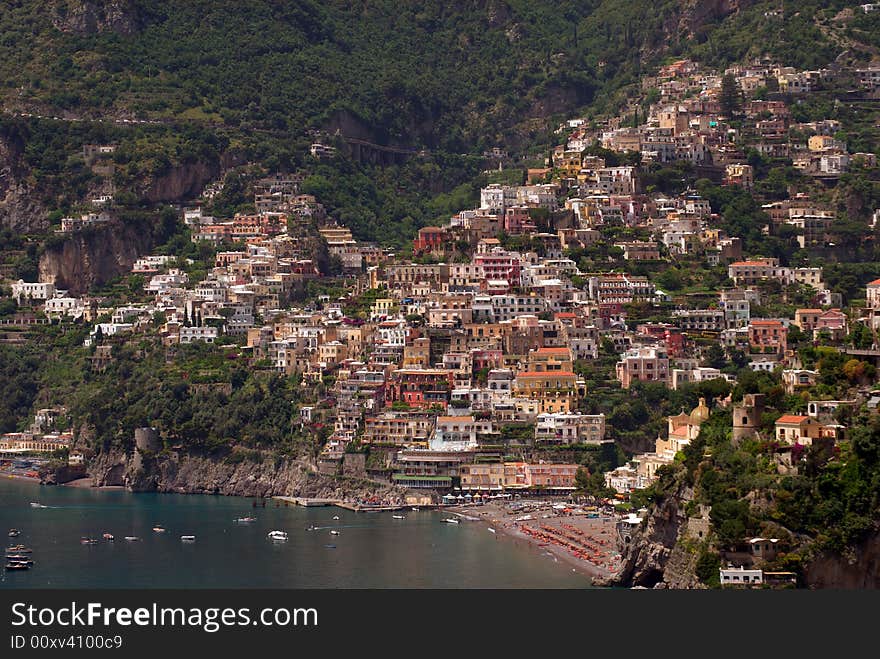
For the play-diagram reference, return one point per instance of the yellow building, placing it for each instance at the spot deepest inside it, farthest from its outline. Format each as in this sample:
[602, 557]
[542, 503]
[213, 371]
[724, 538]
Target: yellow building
[550, 360]
[417, 354]
[486, 476]
[555, 391]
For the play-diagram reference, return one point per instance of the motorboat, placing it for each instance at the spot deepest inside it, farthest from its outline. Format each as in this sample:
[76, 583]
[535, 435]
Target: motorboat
[277, 535]
[398, 517]
[19, 549]
[451, 520]
[330, 546]
[334, 532]
[335, 516]
[414, 509]
[109, 537]
[159, 529]
[245, 520]
[132, 538]
[187, 538]
[14, 533]
[491, 530]
[19, 565]
[36, 504]
[87, 541]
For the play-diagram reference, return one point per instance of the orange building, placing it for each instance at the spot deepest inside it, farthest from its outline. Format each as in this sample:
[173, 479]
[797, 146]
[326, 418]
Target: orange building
[764, 334]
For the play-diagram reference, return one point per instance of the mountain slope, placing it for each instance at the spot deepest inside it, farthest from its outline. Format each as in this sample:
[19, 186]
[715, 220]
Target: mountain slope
[456, 77]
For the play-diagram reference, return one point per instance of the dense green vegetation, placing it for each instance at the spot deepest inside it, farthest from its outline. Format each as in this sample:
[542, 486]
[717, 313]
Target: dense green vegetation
[458, 78]
[199, 396]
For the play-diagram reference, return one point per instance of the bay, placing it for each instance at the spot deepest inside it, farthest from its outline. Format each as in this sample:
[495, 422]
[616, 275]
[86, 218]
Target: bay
[372, 550]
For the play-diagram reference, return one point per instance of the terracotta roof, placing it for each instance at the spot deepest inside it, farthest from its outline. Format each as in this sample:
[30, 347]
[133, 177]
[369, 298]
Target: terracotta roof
[545, 374]
[766, 322]
[791, 418]
[553, 351]
[751, 263]
[876, 282]
[808, 311]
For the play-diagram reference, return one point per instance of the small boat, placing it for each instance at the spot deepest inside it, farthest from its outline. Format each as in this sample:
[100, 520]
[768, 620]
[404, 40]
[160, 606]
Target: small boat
[451, 520]
[87, 541]
[159, 529]
[277, 535]
[132, 538]
[35, 504]
[490, 529]
[17, 558]
[330, 546]
[187, 538]
[20, 549]
[334, 532]
[398, 517]
[109, 537]
[18, 566]
[415, 509]
[335, 516]
[14, 533]
[245, 520]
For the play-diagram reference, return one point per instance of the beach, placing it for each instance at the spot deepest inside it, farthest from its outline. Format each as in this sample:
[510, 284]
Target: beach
[588, 544]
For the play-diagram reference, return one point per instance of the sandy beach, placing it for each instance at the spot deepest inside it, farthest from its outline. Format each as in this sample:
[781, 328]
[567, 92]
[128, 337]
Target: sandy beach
[587, 544]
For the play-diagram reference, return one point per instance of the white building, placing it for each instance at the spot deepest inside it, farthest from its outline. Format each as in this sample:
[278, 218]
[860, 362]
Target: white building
[32, 291]
[191, 334]
[739, 576]
[563, 428]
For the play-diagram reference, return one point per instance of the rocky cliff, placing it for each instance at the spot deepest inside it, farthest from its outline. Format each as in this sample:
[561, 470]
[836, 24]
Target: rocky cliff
[95, 255]
[697, 14]
[85, 17]
[20, 209]
[656, 557]
[198, 474]
[182, 183]
[857, 568]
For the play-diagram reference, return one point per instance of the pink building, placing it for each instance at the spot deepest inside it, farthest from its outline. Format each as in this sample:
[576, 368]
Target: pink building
[764, 334]
[500, 264]
[644, 364]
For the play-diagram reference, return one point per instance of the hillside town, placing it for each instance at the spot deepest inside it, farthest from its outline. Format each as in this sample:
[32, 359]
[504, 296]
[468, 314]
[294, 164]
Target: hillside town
[470, 363]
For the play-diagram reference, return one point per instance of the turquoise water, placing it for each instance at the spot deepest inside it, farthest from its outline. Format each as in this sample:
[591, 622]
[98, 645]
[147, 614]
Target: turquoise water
[373, 550]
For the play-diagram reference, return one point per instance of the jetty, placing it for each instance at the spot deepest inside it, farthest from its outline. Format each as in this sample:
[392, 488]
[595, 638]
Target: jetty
[310, 502]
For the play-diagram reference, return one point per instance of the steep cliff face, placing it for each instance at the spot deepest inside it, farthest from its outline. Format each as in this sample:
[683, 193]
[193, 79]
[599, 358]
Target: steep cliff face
[20, 209]
[94, 256]
[696, 14]
[858, 568]
[85, 17]
[655, 556]
[182, 183]
[195, 474]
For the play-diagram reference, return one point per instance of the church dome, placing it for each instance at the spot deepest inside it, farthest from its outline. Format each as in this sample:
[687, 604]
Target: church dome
[700, 413]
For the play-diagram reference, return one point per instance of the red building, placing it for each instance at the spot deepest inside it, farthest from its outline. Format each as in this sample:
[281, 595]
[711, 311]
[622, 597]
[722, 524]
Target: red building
[430, 239]
[420, 387]
[675, 342]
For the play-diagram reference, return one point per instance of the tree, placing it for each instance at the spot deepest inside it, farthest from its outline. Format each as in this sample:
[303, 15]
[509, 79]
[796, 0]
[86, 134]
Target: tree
[715, 357]
[730, 97]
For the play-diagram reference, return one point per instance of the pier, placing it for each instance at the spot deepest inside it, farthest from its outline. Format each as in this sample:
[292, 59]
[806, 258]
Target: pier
[308, 502]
